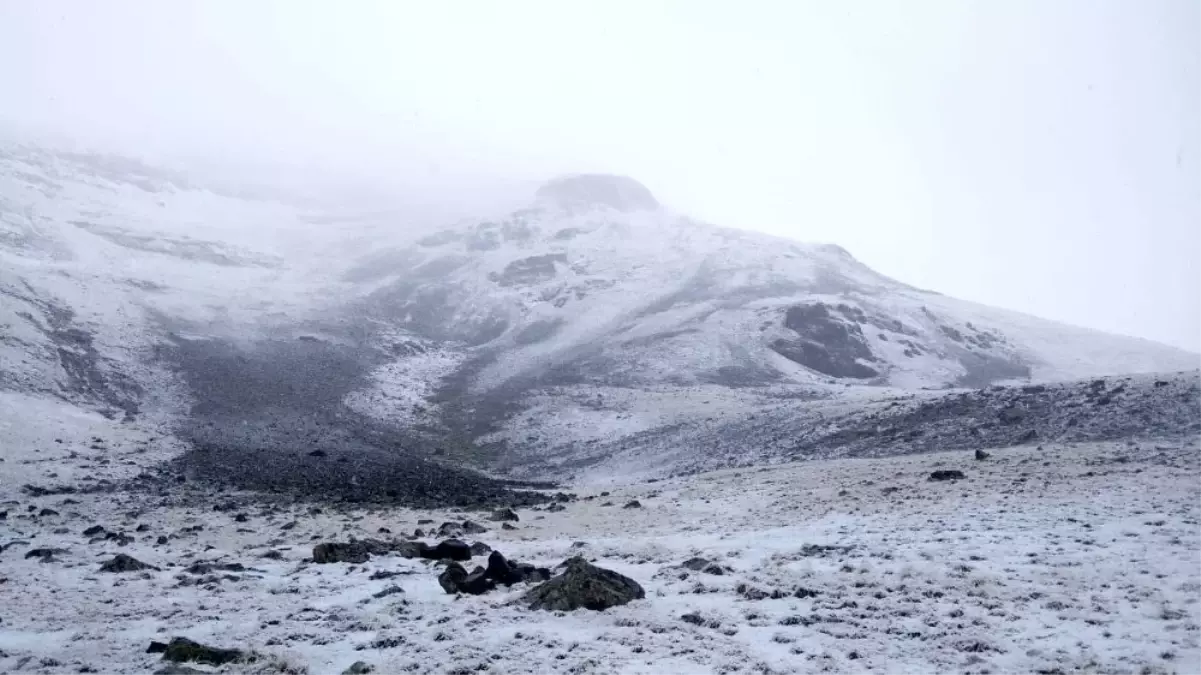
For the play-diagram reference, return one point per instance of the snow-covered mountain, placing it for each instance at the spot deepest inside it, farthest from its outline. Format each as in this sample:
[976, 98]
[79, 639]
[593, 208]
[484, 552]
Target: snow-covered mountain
[592, 315]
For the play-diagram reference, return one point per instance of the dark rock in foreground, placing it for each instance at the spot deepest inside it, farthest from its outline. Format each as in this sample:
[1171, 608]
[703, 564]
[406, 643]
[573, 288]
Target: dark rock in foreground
[451, 549]
[947, 474]
[451, 577]
[181, 650]
[584, 585]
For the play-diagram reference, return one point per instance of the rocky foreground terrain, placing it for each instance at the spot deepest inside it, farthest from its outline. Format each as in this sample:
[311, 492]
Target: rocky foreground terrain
[239, 433]
[1049, 557]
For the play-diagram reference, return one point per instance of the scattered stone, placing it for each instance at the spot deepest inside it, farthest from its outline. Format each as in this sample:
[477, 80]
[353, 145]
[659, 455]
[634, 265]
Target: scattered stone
[473, 528]
[555, 507]
[947, 474]
[500, 571]
[981, 455]
[391, 590]
[47, 512]
[504, 515]
[357, 668]
[451, 549]
[1030, 435]
[480, 548]
[162, 539]
[142, 528]
[289, 525]
[156, 647]
[633, 504]
[39, 491]
[182, 650]
[803, 593]
[476, 583]
[93, 530]
[125, 563]
[241, 518]
[46, 554]
[385, 574]
[318, 453]
[752, 593]
[507, 526]
[210, 567]
[331, 552]
[584, 585]
[699, 564]
[451, 577]
[120, 538]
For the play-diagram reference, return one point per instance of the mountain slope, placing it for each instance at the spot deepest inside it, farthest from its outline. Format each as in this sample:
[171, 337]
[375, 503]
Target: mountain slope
[593, 315]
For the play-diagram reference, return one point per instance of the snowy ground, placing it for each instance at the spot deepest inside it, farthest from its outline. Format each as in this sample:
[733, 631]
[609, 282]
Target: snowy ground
[1065, 559]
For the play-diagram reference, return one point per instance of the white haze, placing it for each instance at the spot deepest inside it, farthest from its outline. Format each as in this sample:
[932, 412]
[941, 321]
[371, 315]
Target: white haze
[1040, 156]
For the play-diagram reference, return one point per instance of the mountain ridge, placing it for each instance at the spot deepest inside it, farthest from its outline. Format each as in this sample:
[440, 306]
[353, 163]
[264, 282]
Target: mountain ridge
[594, 304]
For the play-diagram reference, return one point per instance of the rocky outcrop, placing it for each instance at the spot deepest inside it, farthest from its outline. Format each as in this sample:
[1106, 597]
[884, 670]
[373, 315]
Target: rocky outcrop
[827, 341]
[586, 586]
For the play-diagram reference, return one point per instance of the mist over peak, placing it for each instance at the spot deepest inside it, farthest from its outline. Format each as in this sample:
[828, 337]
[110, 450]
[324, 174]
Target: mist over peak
[597, 189]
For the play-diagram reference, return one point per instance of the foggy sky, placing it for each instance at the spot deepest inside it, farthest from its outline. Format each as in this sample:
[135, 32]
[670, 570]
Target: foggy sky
[1037, 155]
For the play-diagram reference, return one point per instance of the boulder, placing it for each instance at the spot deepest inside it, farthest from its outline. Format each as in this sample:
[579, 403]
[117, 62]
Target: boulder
[633, 504]
[480, 548]
[451, 549]
[476, 583]
[584, 585]
[500, 571]
[947, 474]
[451, 577]
[357, 668]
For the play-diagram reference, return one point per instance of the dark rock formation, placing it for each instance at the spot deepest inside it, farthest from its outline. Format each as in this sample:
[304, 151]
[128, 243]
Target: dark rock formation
[827, 343]
[584, 585]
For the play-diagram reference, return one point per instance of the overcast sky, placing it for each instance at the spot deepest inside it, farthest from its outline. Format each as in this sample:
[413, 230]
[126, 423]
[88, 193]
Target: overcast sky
[1041, 156]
